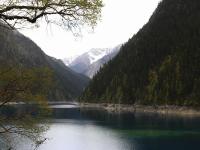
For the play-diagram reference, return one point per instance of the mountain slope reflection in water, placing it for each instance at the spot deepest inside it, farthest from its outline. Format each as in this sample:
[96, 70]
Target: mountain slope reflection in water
[73, 128]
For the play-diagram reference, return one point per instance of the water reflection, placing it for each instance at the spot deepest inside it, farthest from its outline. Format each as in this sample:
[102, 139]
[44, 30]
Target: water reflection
[63, 106]
[22, 125]
[77, 135]
[72, 128]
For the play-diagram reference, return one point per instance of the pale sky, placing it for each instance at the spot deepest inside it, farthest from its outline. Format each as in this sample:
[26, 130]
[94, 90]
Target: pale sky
[121, 19]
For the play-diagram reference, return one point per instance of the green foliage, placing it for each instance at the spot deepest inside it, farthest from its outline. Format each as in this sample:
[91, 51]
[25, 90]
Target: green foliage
[25, 85]
[29, 86]
[165, 84]
[159, 65]
[152, 86]
[17, 50]
[69, 13]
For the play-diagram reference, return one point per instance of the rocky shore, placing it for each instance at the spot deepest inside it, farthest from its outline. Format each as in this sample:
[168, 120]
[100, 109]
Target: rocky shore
[170, 110]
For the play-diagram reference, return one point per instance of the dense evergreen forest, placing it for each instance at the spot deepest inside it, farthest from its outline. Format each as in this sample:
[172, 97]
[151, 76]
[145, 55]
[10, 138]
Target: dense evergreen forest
[160, 65]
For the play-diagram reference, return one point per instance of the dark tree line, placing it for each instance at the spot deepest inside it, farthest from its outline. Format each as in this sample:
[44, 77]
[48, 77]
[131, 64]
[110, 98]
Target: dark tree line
[159, 65]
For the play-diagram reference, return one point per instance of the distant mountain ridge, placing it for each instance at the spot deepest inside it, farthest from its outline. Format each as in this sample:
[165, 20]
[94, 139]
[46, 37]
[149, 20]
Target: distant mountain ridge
[90, 62]
[18, 50]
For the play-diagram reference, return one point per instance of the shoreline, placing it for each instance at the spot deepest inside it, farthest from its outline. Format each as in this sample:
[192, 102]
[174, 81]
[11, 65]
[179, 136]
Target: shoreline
[163, 110]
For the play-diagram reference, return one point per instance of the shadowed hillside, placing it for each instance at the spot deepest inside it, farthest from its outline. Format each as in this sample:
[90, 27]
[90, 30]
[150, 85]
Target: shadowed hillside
[17, 50]
[159, 65]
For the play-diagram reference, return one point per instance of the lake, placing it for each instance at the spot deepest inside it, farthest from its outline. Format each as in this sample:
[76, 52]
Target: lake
[72, 128]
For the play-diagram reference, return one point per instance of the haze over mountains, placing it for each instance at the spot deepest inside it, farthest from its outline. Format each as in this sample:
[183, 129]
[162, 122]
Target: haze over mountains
[18, 50]
[90, 62]
[160, 65]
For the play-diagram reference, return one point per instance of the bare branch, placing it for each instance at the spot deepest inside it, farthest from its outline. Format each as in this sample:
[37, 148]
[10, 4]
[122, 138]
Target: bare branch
[75, 11]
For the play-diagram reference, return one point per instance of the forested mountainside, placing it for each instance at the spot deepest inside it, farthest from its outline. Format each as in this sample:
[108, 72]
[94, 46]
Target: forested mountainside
[157, 66]
[90, 62]
[16, 50]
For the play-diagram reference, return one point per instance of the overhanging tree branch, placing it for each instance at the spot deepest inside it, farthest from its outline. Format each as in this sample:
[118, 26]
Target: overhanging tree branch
[27, 86]
[74, 11]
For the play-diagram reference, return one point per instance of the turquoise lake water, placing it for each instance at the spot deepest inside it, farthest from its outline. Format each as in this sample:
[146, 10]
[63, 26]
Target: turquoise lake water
[72, 128]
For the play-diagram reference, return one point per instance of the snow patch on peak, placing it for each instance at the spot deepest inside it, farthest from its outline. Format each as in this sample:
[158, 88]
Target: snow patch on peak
[89, 62]
[95, 55]
[69, 60]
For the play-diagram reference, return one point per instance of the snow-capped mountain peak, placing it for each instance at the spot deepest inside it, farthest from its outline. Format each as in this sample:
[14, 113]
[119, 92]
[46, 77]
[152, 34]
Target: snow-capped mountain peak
[92, 56]
[89, 62]
[69, 60]
[96, 54]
